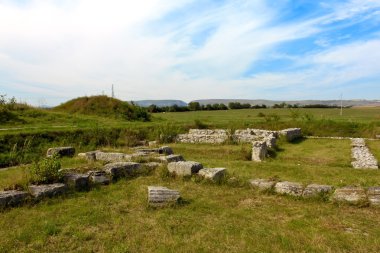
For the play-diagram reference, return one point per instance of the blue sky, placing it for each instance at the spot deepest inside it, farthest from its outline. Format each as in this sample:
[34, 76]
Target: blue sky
[52, 51]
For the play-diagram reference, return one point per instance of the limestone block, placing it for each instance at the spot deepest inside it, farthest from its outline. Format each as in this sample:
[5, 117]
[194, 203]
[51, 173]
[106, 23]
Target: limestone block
[61, 151]
[110, 157]
[12, 198]
[121, 169]
[291, 133]
[315, 190]
[98, 177]
[289, 188]
[373, 194]
[213, 174]
[350, 194]
[262, 184]
[170, 158]
[159, 196]
[259, 151]
[165, 150]
[47, 190]
[184, 168]
[90, 156]
[77, 181]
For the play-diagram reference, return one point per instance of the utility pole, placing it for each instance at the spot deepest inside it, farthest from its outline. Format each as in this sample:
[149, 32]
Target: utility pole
[341, 104]
[113, 93]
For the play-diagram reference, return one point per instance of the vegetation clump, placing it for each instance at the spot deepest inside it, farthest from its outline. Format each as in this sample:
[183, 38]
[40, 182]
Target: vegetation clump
[46, 171]
[104, 106]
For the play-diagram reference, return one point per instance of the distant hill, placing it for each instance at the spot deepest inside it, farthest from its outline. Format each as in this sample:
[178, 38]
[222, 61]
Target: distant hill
[103, 106]
[354, 102]
[160, 103]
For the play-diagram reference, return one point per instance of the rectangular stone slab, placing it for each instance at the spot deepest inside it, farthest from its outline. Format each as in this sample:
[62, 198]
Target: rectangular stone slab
[184, 168]
[12, 198]
[159, 196]
[47, 190]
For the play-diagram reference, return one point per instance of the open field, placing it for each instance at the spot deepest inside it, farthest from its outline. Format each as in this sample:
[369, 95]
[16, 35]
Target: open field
[217, 218]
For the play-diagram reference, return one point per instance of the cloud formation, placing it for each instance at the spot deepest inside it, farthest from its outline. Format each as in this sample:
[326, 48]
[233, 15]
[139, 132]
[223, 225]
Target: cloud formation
[187, 49]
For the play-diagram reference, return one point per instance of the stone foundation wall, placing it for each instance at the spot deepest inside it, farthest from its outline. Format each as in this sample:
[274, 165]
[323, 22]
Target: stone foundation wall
[215, 136]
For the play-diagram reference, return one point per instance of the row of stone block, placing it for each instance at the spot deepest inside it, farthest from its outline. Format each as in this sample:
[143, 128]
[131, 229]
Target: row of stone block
[189, 168]
[347, 194]
[120, 157]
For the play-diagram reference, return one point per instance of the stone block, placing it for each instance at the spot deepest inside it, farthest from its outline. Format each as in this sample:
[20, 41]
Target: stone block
[213, 174]
[350, 194]
[291, 133]
[165, 150]
[259, 151]
[315, 190]
[373, 194]
[99, 177]
[262, 184]
[47, 190]
[289, 188]
[61, 151]
[121, 169]
[77, 181]
[89, 156]
[12, 198]
[159, 196]
[110, 157]
[184, 168]
[170, 158]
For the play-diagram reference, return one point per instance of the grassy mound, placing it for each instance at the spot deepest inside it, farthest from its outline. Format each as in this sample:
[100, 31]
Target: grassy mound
[104, 106]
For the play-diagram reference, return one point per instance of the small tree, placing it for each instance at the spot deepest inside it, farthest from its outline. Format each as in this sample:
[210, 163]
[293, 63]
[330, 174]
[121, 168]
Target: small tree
[46, 171]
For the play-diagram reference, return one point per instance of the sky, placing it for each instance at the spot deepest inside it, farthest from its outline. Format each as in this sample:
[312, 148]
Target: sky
[53, 51]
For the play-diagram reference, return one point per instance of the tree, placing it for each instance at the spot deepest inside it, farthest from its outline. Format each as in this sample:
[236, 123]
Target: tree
[194, 106]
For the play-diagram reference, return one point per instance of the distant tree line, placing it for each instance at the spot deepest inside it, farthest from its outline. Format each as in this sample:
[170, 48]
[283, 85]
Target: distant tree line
[196, 106]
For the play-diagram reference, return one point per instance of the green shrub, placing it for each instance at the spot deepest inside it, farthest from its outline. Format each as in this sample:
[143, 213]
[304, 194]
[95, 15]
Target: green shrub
[46, 171]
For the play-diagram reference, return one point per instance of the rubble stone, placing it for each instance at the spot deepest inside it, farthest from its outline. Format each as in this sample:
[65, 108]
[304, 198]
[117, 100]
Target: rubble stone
[61, 151]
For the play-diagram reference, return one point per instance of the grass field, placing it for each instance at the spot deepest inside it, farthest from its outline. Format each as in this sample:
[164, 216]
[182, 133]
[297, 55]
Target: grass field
[214, 218]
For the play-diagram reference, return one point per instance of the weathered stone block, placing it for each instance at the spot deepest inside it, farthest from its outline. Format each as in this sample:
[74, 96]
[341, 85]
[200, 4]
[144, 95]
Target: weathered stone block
[121, 169]
[171, 158]
[159, 196]
[350, 194]
[289, 188]
[373, 194]
[77, 181]
[213, 174]
[262, 184]
[47, 190]
[315, 190]
[271, 141]
[110, 157]
[291, 133]
[61, 151]
[99, 177]
[259, 151]
[184, 168]
[90, 156]
[12, 198]
[165, 150]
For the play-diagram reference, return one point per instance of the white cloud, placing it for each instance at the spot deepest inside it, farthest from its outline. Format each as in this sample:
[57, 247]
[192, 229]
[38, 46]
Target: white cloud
[70, 48]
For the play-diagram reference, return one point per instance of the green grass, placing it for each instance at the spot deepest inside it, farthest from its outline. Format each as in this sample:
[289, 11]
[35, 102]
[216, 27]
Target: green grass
[216, 219]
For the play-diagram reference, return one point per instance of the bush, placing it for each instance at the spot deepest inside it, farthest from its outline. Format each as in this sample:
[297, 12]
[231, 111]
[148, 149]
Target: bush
[46, 171]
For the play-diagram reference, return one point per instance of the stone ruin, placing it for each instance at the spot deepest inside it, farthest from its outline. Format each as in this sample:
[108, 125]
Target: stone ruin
[362, 156]
[261, 140]
[215, 136]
